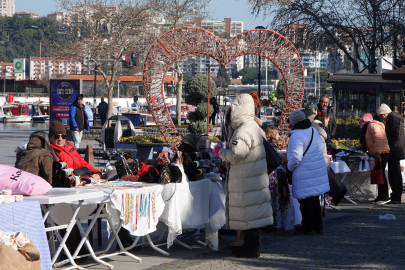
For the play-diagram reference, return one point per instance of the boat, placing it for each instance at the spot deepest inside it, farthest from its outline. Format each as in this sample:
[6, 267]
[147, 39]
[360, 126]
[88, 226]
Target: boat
[15, 113]
[39, 112]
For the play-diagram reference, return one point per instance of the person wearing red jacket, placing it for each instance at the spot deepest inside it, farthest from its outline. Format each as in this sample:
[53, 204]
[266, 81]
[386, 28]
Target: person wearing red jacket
[66, 152]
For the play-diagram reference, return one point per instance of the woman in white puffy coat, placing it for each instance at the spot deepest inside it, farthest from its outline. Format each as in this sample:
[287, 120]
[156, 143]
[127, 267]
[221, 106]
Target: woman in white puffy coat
[248, 197]
[310, 177]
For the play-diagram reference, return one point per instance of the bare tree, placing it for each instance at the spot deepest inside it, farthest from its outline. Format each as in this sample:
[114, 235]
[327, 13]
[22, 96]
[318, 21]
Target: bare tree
[360, 29]
[179, 13]
[101, 32]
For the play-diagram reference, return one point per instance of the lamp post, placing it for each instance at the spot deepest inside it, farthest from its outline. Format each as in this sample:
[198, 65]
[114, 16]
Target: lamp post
[260, 61]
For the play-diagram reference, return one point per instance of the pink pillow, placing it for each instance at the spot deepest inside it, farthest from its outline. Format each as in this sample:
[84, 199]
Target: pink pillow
[21, 182]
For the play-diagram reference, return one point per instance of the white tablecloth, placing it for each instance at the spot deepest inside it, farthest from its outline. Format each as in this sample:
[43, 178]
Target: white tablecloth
[339, 167]
[185, 205]
[194, 205]
[115, 193]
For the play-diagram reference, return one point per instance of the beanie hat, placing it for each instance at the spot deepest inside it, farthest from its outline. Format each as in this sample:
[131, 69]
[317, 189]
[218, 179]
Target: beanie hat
[296, 117]
[366, 118]
[56, 127]
[80, 96]
[191, 139]
[384, 109]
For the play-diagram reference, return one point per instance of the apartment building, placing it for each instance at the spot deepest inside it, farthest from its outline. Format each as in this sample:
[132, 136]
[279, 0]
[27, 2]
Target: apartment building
[49, 68]
[311, 59]
[233, 28]
[199, 64]
[10, 72]
[26, 14]
[62, 18]
[7, 8]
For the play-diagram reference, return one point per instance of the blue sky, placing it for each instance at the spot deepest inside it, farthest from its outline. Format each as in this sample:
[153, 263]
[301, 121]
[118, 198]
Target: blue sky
[238, 10]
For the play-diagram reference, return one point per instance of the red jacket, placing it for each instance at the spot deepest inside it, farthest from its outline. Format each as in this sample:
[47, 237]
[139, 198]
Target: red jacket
[69, 155]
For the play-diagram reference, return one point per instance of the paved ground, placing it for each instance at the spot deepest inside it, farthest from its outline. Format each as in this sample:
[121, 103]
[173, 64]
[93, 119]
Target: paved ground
[354, 238]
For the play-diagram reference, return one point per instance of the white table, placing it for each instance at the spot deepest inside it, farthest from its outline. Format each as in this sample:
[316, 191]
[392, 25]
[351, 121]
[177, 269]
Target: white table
[76, 199]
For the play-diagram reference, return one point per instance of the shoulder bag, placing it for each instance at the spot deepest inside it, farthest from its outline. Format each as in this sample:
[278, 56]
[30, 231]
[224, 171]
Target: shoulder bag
[290, 173]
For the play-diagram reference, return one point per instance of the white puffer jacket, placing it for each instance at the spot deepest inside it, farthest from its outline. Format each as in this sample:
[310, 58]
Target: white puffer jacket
[247, 188]
[310, 178]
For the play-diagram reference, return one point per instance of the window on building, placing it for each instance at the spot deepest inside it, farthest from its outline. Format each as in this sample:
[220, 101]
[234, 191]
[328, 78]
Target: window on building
[354, 103]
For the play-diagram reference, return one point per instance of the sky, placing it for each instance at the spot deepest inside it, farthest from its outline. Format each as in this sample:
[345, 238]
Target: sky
[238, 10]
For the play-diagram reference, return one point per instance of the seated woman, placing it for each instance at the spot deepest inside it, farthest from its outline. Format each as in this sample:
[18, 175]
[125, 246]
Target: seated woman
[66, 152]
[39, 157]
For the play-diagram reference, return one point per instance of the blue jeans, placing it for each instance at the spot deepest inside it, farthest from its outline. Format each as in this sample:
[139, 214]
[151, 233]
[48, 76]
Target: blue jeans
[77, 138]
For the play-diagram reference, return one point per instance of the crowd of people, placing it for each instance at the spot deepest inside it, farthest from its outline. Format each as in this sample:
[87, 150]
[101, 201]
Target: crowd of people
[246, 161]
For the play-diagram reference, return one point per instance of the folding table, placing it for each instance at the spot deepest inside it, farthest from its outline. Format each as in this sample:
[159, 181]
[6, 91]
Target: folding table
[75, 198]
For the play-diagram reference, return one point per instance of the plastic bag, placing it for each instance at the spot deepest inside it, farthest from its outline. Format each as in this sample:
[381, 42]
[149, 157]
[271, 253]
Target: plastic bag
[387, 217]
[21, 148]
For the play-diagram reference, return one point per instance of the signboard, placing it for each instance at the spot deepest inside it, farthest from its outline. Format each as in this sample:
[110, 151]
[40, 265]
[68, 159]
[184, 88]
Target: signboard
[63, 93]
[19, 65]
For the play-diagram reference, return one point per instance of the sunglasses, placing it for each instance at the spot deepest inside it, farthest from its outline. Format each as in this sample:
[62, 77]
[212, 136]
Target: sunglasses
[57, 136]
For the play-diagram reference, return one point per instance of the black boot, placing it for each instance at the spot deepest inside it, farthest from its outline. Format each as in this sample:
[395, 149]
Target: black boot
[251, 245]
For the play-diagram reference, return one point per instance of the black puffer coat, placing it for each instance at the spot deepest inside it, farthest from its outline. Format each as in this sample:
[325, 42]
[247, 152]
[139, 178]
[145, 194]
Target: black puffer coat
[394, 128]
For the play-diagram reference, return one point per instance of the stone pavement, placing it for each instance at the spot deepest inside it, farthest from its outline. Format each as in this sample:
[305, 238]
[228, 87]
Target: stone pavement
[354, 240]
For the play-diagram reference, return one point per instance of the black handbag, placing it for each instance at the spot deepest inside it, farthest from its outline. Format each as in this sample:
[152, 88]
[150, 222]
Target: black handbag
[290, 173]
[127, 167]
[272, 157]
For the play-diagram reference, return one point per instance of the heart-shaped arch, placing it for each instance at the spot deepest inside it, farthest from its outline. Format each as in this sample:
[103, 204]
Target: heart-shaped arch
[186, 41]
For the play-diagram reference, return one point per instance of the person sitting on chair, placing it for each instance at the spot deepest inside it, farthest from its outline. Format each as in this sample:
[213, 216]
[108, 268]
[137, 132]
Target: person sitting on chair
[39, 157]
[66, 152]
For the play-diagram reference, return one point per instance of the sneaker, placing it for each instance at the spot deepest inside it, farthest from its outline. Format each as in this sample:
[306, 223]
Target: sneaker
[382, 202]
[394, 202]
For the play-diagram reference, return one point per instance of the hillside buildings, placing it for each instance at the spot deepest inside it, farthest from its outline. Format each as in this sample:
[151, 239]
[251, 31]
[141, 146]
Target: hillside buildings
[49, 68]
[233, 28]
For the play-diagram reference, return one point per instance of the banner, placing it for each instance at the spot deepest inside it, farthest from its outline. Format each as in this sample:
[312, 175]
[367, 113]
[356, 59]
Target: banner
[63, 93]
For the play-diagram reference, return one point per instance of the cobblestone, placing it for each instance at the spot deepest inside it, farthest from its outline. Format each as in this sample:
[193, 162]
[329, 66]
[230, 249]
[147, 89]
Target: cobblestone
[358, 240]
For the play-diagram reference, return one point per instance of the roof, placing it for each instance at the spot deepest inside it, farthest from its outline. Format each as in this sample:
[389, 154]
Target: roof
[6, 64]
[236, 80]
[359, 78]
[396, 74]
[85, 77]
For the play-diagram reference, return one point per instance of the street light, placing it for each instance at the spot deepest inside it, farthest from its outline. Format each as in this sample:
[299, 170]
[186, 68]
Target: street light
[260, 60]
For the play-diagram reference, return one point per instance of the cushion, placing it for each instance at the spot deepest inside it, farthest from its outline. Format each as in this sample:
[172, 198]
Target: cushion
[21, 182]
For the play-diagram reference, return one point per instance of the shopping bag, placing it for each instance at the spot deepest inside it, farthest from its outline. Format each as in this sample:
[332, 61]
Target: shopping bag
[376, 177]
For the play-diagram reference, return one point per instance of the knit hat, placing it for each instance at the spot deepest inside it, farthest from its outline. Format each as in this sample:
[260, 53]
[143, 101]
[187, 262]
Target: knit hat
[366, 118]
[80, 96]
[56, 127]
[384, 109]
[296, 117]
[191, 139]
